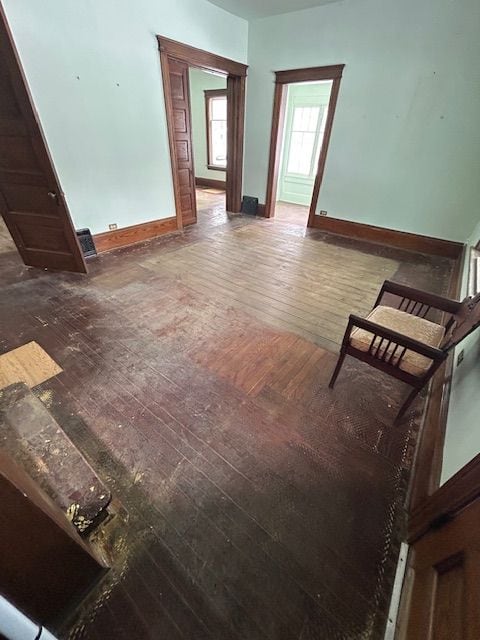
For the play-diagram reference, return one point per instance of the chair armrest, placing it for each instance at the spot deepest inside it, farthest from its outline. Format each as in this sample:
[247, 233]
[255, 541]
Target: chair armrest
[425, 298]
[397, 338]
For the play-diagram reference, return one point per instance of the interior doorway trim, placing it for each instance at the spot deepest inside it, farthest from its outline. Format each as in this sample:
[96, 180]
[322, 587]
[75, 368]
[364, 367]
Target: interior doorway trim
[282, 78]
[236, 72]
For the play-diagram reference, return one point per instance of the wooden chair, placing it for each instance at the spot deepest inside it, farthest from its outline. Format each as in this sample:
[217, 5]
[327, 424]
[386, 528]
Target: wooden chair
[401, 341]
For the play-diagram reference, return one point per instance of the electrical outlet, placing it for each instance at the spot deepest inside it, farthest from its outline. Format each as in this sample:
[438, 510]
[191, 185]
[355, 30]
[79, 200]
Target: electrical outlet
[113, 226]
[323, 212]
[460, 357]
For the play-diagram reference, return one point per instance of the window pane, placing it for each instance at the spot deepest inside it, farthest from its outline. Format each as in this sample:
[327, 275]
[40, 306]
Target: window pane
[219, 108]
[305, 118]
[218, 143]
[301, 150]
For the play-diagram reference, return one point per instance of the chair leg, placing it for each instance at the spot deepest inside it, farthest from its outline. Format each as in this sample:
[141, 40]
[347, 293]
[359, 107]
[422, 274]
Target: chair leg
[340, 360]
[411, 397]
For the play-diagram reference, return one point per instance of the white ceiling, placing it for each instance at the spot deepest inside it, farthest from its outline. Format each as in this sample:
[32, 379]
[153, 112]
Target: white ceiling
[251, 9]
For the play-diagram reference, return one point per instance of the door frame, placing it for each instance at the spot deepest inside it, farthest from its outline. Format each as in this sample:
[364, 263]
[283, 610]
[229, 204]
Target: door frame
[236, 73]
[282, 79]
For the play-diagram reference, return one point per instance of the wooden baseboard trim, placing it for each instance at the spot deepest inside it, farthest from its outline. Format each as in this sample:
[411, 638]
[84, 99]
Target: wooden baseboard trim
[427, 467]
[211, 183]
[380, 235]
[136, 233]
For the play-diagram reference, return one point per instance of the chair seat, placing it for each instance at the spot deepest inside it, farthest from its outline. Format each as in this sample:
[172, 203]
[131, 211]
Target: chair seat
[408, 325]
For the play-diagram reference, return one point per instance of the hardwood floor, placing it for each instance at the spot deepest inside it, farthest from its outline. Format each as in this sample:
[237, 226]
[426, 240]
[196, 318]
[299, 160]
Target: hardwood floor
[251, 501]
[291, 213]
[211, 207]
[6, 243]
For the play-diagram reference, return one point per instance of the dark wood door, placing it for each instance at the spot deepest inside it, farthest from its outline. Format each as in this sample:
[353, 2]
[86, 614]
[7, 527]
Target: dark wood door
[31, 200]
[45, 567]
[182, 143]
[443, 596]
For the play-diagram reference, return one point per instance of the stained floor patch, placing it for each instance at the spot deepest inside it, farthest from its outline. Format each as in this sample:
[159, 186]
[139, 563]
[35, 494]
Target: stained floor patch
[29, 364]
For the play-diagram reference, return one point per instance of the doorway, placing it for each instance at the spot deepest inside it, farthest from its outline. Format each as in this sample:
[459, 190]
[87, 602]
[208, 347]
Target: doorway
[177, 60]
[208, 101]
[305, 119]
[303, 113]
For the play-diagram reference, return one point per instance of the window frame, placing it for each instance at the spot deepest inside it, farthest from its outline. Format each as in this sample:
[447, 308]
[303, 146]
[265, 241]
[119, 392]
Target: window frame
[209, 94]
[317, 140]
[474, 271]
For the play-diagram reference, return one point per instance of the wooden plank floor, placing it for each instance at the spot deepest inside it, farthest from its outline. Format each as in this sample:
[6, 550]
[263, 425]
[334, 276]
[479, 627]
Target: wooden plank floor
[6, 243]
[291, 213]
[252, 501]
[282, 279]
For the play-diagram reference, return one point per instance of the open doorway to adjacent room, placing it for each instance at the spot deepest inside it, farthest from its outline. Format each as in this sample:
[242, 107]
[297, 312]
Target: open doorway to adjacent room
[303, 111]
[304, 127]
[205, 107]
[208, 103]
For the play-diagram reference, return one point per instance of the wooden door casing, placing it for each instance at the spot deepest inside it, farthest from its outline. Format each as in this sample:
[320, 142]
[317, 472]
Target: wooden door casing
[173, 55]
[31, 201]
[282, 78]
[182, 143]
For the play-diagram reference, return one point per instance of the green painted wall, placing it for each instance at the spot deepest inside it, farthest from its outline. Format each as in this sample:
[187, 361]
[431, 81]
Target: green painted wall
[94, 71]
[298, 188]
[404, 152]
[462, 441]
[404, 149]
[199, 82]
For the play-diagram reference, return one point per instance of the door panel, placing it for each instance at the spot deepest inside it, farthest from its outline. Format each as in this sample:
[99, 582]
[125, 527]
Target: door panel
[31, 200]
[445, 596]
[28, 197]
[182, 132]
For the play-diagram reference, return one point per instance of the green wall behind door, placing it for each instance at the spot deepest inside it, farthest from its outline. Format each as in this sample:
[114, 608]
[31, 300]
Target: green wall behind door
[404, 151]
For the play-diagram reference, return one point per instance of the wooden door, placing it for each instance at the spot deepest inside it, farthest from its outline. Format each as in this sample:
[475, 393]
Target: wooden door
[182, 140]
[445, 598]
[442, 598]
[31, 200]
[45, 567]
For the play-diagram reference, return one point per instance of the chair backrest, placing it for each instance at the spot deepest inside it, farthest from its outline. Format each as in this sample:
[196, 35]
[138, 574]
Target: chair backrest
[466, 320]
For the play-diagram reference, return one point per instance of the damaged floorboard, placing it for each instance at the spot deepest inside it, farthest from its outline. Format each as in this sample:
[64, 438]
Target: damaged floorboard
[252, 502]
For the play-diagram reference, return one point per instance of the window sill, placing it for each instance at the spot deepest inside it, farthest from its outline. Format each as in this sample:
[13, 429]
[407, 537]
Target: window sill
[214, 168]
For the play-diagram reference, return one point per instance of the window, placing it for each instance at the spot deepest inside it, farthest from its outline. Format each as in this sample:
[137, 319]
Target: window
[303, 140]
[216, 110]
[474, 273]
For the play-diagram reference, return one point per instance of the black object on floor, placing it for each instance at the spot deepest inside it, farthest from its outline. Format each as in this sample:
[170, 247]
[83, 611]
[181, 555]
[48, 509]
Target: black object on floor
[250, 205]
[86, 242]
